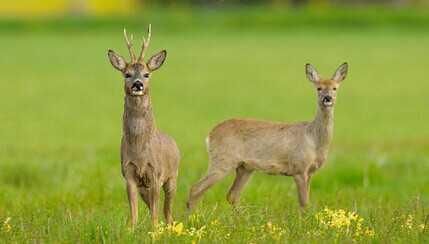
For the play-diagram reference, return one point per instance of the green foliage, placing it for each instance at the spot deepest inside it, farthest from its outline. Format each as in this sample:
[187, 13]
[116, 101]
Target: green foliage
[249, 18]
[61, 109]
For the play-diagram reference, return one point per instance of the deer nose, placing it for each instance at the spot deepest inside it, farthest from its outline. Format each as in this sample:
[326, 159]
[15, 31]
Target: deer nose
[327, 99]
[138, 85]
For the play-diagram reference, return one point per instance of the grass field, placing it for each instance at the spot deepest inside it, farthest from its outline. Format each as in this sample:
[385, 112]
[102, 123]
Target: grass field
[61, 108]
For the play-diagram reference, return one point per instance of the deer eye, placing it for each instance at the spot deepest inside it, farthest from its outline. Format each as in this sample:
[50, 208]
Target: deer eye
[146, 75]
[319, 88]
[127, 75]
[335, 88]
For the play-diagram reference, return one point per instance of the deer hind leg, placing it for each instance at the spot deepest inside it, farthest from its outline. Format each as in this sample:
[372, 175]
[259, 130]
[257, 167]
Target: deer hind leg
[169, 193]
[303, 186]
[241, 178]
[198, 189]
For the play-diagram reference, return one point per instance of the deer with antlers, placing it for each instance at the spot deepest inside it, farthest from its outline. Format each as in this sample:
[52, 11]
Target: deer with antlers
[291, 149]
[149, 158]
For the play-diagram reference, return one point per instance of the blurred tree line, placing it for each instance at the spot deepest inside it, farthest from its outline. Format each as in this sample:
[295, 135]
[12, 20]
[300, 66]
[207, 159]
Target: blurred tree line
[285, 2]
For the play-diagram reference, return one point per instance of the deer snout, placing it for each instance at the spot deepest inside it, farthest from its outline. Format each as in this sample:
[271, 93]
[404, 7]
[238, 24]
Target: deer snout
[137, 86]
[327, 99]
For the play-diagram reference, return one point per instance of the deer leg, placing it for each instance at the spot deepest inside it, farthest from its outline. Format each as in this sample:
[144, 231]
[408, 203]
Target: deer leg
[153, 203]
[169, 193]
[302, 184]
[144, 193]
[203, 185]
[132, 199]
[241, 178]
[132, 192]
[308, 187]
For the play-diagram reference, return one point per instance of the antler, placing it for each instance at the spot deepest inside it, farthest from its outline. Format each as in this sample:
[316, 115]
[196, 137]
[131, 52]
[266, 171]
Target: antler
[145, 43]
[130, 46]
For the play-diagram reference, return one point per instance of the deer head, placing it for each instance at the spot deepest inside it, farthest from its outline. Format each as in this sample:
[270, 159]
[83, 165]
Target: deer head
[137, 72]
[326, 88]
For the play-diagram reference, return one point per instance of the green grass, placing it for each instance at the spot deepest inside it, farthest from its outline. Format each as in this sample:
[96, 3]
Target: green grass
[61, 108]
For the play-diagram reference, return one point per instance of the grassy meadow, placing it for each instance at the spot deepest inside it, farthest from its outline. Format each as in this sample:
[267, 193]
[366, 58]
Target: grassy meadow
[61, 110]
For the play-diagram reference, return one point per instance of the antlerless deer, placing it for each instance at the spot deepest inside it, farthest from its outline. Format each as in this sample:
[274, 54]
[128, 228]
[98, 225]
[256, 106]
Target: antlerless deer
[292, 149]
[149, 158]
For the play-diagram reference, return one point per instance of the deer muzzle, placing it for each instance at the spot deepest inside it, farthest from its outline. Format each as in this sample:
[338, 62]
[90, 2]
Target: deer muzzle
[327, 101]
[137, 88]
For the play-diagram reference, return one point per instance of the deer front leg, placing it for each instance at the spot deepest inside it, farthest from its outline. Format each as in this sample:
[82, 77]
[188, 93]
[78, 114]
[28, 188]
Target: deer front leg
[169, 193]
[132, 199]
[303, 186]
[154, 203]
[132, 192]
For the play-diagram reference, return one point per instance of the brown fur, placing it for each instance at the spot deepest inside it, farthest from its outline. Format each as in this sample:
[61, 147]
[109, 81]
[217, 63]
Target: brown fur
[246, 145]
[149, 158]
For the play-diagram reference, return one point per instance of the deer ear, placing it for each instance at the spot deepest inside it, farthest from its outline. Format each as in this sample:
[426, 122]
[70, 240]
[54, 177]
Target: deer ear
[157, 60]
[311, 73]
[116, 60]
[341, 73]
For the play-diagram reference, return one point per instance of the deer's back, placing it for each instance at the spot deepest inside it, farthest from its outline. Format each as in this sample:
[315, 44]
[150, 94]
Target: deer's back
[242, 134]
[258, 142]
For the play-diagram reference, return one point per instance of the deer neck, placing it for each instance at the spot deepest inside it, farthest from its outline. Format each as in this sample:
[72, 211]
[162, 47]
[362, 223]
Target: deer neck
[138, 120]
[322, 127]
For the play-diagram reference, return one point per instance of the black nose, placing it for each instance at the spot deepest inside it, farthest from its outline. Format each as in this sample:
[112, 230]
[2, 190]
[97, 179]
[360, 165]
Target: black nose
[138, 85]
[327, 99]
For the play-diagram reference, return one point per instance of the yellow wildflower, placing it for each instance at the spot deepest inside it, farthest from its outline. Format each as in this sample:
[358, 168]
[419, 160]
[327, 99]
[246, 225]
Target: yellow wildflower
[6, 225]
[343, 222]
[215, 222]
[369, 232]
[409, 222]
[276, 232]
[176, 228]
[158, 231]
[198, 233]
